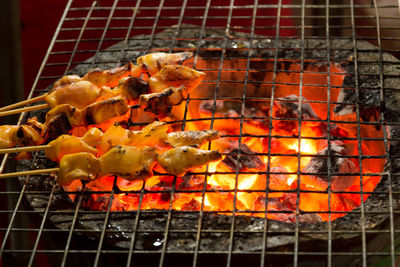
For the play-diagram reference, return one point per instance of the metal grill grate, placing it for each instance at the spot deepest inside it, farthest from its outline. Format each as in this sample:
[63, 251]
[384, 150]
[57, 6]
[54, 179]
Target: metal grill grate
[89, 28]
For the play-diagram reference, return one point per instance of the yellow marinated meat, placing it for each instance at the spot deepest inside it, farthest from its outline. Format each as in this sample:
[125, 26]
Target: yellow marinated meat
[95, 113]
[151, 135]
[66, 80]
[67, 144]
[111, 77]
[7, 133]
[79, 95]
[104, 110]
[129, 162]
[191, 138]
[84, 166]
[155, 61]
[182, 159]
[175, 75]
[116, 135]
[93, 136]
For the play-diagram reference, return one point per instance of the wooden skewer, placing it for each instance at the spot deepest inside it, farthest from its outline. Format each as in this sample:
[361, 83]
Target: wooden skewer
[25, 109]
[23, 103]
[23, 149]
[25, 173]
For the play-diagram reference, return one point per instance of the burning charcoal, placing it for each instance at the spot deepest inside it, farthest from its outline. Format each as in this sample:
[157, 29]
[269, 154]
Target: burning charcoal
[338, 165]
[369, 100]
[288, 107]
[247, 159]
[252, 110]
[192, 205]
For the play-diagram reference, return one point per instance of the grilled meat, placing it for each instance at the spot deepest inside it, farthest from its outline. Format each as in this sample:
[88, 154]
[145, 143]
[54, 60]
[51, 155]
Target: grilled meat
[155, 61]
[191, 138]
[182, 159]
[175, 75]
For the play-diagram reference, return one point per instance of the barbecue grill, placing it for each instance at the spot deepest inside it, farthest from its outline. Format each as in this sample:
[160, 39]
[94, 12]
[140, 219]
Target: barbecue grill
[245, 47]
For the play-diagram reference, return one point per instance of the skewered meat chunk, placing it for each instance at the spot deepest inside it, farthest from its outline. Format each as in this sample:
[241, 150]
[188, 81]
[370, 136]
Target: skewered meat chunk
[175, 75]
[132, 87]
[95, 113]
[67, 144]
[79, 95]
[181, 159]
[66, 80]
[104, 110]
[30, 134]
[161, 103]
[93, 136]
[111, 77]
[7, 133]
[151, 135]
[155, 61]
[129, 162]
[191, 138]
[84, 166]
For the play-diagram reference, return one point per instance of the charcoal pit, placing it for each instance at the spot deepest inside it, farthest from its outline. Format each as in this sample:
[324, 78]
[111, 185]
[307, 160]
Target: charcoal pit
[150, 226]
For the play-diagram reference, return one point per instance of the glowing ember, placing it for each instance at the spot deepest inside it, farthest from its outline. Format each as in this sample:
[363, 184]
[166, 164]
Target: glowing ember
[264, 169]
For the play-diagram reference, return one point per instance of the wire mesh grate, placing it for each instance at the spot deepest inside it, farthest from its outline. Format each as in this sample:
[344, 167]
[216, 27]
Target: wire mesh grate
[362, 34]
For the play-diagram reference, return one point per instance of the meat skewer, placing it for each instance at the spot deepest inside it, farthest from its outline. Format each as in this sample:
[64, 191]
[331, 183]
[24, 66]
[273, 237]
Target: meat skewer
[127, 162]
[151, 135]
[92, 83]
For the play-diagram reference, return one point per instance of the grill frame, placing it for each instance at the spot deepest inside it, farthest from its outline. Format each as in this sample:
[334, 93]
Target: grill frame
[296, 251]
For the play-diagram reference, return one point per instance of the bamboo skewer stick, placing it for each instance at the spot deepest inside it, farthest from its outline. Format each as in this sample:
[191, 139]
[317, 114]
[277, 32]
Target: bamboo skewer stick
[25, 173]
[23, 103]
[25, 109]
[23, 149]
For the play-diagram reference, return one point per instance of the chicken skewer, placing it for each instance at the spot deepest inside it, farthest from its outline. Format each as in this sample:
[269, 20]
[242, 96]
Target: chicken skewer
[153, 134]
[89, 84]
[127, 162]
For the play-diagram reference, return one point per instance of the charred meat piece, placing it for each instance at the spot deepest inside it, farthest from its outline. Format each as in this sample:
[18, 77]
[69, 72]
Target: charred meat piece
[58, 125]
[84, 166]
[30, 134]
[181, 159]
[79, 95]
[339, 165]
[95, 113]
[129, 162]
[191, 138]
[161, 103]
[104, 110]
[175, 75]
[155, 61]
[111, 77]
[132, 87]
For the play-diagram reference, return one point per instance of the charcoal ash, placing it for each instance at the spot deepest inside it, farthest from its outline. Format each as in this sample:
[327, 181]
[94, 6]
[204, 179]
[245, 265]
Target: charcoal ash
[339, 165]
[288, 107]
[246, 161]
